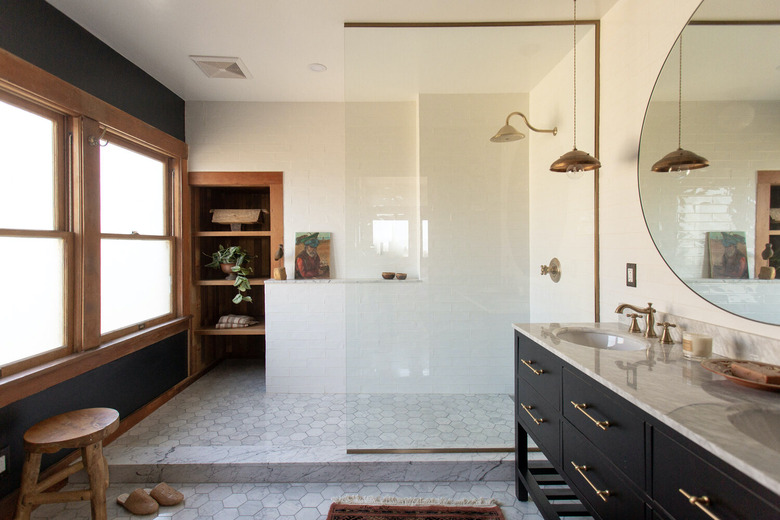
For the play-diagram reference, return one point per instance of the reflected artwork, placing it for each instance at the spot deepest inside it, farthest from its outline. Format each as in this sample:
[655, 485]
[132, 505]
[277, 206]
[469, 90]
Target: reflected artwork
[312, 255]
[728, 254]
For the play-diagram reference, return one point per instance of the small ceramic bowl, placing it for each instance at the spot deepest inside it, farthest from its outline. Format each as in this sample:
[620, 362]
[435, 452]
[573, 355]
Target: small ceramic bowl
[388, 276]
[400, 276]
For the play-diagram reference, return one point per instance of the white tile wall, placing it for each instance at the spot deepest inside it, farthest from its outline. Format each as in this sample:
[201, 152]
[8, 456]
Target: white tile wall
[561, 209]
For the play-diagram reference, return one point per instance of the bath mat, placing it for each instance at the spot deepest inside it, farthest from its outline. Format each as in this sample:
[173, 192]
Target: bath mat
[393, 508]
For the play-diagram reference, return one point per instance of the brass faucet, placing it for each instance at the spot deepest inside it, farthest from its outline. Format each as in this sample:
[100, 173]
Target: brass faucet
[647, 311]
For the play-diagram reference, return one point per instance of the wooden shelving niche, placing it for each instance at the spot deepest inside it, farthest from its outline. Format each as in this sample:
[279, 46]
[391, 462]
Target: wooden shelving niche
[212, 294]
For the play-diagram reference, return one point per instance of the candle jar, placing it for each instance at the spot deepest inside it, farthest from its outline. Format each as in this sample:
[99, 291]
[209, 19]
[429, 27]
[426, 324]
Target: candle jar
[696, 346]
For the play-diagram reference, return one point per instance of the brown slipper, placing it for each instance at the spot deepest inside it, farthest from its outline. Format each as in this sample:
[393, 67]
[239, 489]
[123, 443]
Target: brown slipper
[138, 502]
[165, 495]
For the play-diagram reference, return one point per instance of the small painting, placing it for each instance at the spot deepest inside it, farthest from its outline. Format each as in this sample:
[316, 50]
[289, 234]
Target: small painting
[728, 254]
[312, 255]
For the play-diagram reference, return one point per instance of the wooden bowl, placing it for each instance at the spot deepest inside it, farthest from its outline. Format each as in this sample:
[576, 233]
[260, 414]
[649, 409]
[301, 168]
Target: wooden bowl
[388, 276]
[400, 276]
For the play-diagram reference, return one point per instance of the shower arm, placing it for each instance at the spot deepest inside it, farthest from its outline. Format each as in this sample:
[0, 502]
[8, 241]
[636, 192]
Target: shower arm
[554, 131]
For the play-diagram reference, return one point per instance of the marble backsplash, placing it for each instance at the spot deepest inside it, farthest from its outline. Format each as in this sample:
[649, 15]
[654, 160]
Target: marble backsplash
[726, 342]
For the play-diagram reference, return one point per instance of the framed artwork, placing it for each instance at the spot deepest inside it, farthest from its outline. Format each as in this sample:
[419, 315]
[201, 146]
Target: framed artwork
[728, 254]
[312, 255]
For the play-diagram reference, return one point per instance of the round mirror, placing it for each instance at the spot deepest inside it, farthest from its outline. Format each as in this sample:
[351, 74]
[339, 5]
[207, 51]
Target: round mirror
[718, 95]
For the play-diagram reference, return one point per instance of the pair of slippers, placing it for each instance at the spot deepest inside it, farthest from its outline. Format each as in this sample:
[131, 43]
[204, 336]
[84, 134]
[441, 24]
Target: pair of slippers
[148, 501]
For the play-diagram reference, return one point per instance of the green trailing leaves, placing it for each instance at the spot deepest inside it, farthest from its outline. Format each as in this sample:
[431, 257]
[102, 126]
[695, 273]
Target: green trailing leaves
[234, 255]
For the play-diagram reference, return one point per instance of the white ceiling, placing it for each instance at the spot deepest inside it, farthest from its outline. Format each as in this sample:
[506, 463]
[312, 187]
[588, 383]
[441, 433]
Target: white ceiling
[278, 39]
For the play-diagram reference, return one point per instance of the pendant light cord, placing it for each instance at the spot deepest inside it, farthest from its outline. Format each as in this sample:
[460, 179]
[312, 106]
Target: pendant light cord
[575, 74]
[679, 100]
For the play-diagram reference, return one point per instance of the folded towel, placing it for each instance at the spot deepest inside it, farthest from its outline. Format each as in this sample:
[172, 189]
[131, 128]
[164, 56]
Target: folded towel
[235, 321]
[761, 373]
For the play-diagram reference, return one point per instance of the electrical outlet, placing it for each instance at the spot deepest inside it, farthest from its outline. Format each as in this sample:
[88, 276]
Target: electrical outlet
[5, 453]
[630, 275]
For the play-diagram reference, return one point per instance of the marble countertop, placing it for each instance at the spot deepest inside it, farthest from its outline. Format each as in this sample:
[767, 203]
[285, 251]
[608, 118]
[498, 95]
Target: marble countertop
[737, 424]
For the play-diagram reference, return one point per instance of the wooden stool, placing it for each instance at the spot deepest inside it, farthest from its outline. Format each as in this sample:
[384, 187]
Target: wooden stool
[83, 429]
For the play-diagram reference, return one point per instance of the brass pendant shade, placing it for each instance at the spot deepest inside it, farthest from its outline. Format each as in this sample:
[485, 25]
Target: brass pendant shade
[680, 160]
[575, 161]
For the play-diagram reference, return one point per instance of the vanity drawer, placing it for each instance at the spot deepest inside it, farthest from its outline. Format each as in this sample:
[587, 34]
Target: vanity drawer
[539, 368]
[539, 419]
[616, 500]
[608, 424]
[676, 468]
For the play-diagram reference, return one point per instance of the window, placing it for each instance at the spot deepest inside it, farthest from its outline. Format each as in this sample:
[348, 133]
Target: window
[87, 234]
[33, 237]
[136, 243]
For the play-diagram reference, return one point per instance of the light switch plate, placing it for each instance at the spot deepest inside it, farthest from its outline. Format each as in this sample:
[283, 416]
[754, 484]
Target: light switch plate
[630, 275]
[5, 452]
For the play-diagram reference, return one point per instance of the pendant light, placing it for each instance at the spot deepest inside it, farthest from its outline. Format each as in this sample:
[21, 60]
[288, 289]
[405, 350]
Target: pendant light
[680, 161]
[576, 161]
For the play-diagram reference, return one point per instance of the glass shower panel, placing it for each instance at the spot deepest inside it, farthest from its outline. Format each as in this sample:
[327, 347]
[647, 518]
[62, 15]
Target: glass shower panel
[429, 358]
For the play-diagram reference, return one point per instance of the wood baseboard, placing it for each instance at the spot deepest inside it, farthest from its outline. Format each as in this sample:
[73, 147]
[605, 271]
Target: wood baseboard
[8, 502]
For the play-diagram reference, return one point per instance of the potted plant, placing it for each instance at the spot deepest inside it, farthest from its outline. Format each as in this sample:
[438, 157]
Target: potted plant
[234, 261]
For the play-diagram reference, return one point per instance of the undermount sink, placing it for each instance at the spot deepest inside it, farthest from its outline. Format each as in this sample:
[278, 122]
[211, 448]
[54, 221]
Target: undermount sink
[597, 338]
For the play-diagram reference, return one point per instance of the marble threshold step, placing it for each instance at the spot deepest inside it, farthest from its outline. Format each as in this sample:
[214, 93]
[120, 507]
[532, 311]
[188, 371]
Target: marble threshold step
[253, 464]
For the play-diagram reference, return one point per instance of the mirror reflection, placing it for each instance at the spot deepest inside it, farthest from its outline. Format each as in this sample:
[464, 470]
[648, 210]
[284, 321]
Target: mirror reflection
[718, 228]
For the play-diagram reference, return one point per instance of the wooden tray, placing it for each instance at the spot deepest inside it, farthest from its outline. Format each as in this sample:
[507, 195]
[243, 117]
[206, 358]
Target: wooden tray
[723, 367]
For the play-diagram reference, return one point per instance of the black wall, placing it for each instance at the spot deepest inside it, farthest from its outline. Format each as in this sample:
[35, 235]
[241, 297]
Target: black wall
[37, 32]
[125, 385]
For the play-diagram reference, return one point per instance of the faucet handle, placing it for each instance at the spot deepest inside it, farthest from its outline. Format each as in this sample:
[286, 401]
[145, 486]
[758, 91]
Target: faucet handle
[634, 326]
[666, 335]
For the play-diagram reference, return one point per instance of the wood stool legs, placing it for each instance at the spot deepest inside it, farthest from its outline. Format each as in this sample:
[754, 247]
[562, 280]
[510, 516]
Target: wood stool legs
[92, 456]
[30, 471]
[32, 492]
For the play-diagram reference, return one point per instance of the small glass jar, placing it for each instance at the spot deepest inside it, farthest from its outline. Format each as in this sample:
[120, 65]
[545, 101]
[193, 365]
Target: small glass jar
[696, 346]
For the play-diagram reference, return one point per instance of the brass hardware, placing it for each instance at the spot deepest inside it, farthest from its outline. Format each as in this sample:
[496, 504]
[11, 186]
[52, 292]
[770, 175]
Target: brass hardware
[701, 502]
[528, 409]
[554, 270]
[581, 407]
[666, 336]
[529, 363]
[634, 327]
[581, 470]
[647, 311]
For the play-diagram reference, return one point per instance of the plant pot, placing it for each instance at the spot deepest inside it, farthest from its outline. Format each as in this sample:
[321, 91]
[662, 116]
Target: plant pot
[228, 270]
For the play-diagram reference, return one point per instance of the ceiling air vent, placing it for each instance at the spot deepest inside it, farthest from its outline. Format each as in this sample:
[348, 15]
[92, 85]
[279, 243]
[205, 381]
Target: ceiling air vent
[222, 67]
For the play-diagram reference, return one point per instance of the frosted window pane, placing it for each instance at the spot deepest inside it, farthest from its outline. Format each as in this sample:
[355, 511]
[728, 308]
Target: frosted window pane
[132, 191]
[26, 169]
[135, 282]
[31, 309]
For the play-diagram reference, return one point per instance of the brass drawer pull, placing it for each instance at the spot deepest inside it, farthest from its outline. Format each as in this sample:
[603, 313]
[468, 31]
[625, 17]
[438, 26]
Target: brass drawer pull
[529, 363]
[528, 409]
[581, 407]
[603, 493]
[702, 503]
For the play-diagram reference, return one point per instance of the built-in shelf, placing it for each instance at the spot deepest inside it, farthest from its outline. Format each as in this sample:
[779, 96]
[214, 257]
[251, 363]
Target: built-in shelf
[252, 281]
[232, 234]
[254, 330]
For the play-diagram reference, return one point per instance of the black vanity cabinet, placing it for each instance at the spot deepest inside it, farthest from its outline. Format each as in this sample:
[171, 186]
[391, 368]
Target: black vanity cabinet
[616, 459]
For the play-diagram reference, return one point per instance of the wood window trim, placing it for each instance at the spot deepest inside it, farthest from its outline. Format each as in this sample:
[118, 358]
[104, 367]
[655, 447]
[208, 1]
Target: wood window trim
[33, 380]
[24, 78]
[83, 115]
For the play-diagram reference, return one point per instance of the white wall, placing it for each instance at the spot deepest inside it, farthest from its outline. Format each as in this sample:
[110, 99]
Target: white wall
[561, 209]
[305, 336]
[636, 37]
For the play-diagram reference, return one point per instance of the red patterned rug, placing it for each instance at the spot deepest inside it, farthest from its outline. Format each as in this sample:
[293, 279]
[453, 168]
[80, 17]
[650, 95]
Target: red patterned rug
[415, 509]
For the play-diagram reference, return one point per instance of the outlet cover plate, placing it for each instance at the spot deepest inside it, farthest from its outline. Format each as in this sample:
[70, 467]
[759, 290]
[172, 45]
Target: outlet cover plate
[630, 275]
